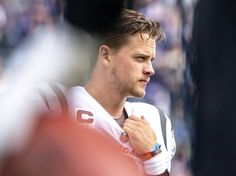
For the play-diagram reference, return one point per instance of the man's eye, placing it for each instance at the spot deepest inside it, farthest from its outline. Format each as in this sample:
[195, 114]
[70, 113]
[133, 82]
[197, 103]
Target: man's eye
[140, 58]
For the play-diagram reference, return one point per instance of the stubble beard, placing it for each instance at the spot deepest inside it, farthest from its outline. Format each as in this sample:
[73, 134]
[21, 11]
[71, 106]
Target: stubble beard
[134, 90]
[137, 93]
[126, 87]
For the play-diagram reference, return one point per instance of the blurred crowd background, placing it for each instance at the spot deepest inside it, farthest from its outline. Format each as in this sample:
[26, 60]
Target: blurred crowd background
[170, 88]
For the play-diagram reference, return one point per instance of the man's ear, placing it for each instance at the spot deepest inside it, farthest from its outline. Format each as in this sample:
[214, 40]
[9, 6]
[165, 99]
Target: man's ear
[104, 53]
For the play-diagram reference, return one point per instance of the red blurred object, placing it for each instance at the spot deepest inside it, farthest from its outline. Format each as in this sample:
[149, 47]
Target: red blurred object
[62, 147]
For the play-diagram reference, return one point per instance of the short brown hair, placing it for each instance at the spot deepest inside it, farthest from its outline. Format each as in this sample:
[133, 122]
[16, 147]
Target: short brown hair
[129, 23]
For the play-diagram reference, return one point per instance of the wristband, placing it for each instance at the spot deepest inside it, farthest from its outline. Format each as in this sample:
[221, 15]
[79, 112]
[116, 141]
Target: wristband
[156, 149]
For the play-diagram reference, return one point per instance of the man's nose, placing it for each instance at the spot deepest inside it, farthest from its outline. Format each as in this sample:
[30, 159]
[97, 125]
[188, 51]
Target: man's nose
[149, 69]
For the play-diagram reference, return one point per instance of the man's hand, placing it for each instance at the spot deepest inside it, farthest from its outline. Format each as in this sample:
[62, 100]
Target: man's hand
[141, 135]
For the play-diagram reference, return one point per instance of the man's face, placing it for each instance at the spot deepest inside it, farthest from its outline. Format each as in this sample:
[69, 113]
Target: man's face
[132, 66]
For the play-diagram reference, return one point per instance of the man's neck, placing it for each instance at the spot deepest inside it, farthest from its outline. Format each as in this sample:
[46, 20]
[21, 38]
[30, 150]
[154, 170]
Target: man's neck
[112, 102]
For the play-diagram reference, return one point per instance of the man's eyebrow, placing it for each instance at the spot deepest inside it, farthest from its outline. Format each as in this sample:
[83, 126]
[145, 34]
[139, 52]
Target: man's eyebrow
[142, 54]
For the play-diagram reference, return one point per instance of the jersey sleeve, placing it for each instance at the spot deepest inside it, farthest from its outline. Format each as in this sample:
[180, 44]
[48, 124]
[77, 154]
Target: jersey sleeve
[161, 162]
[171, 144]
[47, 101]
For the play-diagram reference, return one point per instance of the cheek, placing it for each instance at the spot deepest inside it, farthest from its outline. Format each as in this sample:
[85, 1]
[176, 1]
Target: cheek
[126, 67]
[130, 74]
[127, 70]
[121, 74]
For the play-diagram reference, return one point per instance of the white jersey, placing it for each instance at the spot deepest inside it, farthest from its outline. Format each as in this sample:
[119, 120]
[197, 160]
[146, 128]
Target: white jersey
[88, 111]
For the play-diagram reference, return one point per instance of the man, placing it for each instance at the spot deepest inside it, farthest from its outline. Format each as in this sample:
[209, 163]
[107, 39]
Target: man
[123, 69]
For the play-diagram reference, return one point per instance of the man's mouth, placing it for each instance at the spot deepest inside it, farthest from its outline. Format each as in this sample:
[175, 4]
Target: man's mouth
[144, 80]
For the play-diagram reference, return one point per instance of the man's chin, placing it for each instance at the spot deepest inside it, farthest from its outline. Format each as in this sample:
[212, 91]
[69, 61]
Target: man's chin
[138, 94]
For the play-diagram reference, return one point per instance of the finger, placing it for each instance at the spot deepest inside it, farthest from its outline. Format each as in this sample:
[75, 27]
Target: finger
[134, 122]
[136, 118]
[131, 129]
[138, 121]
[133, 117]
